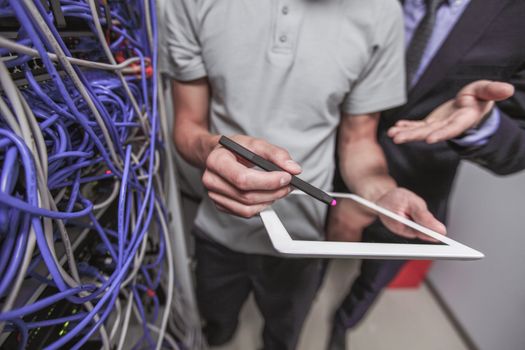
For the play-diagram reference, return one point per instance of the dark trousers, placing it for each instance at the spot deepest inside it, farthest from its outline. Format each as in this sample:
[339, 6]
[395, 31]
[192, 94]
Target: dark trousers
[283, 288]
[373, 277]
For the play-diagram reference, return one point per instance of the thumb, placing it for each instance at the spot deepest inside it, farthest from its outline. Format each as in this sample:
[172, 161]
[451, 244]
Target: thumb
[489, 90]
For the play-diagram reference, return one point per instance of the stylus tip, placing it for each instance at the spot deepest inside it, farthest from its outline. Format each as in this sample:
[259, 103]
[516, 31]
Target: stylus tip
[334, 203]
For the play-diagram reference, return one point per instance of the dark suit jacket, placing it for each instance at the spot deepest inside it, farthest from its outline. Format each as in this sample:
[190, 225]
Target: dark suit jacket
[487, 42]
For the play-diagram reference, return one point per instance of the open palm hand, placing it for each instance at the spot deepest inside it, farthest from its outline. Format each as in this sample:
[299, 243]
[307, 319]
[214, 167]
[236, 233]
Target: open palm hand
[451, 119]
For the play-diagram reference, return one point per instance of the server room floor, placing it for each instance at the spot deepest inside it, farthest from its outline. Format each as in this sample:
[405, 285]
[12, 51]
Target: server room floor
[402, 319]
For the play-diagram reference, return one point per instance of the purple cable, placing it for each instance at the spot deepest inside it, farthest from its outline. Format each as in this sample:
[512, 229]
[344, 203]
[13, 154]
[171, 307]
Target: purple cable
[121, 209]
[55, 321]
[44, 302]
[8, 178]
[75, 156]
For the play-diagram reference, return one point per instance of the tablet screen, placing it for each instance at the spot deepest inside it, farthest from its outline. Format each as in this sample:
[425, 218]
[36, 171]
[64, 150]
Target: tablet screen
[306, 218]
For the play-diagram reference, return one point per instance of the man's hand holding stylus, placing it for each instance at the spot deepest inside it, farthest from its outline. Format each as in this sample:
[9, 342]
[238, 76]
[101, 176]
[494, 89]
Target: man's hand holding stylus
[237, 188]
[468, 110]
[232, 184]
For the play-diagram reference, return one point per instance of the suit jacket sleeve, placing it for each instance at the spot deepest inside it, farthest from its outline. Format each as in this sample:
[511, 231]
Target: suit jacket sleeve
[504, 153]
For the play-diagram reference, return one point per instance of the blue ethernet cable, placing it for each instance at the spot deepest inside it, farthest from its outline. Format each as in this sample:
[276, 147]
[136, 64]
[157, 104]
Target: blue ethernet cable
[75, 158]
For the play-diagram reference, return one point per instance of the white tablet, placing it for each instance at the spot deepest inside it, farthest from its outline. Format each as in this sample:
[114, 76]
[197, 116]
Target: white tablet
[301, 245]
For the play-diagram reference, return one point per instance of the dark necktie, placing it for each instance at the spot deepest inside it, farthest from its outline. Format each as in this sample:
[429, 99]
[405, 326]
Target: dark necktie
[420, 38]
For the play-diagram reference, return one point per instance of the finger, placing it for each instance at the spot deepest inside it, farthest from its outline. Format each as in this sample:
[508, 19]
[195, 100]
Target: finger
[413, 134]
[394, 130]
[236, 208]
[419, 213]
[461, 121]
[414, 208]
[398, 228]
[489, 90]
[498, 91]
[276, 155]
[403, 230]
[221, 208]
[217, 184]
[224, 163]
[244, 162]
[419, 133]
[426, 219]
[410, 123]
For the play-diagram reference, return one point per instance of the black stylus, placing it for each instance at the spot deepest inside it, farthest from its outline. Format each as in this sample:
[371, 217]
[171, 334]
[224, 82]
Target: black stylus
[269, 166]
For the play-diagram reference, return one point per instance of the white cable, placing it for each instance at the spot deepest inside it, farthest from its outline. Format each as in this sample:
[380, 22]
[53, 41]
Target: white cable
[167, 337]
[125, 325]
[116, 323]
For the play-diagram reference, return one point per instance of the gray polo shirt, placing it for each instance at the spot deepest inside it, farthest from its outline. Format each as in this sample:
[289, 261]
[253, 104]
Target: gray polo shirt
[286, 71]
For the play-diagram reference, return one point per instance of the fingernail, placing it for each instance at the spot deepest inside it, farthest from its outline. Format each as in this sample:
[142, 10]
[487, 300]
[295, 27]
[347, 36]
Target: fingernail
[285, 179]
[293, 164]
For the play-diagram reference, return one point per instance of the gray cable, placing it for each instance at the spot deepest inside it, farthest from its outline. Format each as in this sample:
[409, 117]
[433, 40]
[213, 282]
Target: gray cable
[25, 119]
[74, 77]
[8, 115]
[149, 25]
[25, 123]
[116, 323]
[23, 131]
[16, 47]
[32, 135]
[109, 55]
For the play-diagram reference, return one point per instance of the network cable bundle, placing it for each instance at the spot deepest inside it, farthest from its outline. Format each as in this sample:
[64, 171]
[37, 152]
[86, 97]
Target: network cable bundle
[86, 260]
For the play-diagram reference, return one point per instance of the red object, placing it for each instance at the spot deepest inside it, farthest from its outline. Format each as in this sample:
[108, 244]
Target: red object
[149, 72]
[411, 275]
[150, 293]
[119, 57]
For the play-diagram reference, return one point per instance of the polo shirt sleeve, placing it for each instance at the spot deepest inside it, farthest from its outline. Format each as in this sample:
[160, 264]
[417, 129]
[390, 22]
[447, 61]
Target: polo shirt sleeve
[381, 85]
[184, 61]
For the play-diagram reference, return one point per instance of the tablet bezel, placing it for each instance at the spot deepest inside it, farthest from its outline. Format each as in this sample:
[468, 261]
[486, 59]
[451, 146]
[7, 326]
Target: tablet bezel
[285, 245]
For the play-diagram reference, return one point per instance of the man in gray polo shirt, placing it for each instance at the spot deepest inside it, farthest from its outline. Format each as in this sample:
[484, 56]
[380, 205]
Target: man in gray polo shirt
[286, 73]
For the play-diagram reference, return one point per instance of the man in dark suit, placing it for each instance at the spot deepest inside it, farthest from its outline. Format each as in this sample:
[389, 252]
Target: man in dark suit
[454, 112]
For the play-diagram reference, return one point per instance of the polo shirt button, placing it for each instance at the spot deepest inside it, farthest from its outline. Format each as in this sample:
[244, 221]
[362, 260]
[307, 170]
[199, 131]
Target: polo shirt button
[285, 10]
[283, 38]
